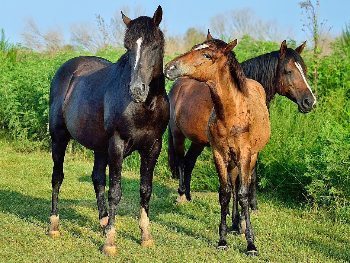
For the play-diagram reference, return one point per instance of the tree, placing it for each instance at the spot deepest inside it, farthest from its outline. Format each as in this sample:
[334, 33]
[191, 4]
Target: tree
[238, 23]
[103, 34]
[316, 28]
[33, 38]
[192, 37]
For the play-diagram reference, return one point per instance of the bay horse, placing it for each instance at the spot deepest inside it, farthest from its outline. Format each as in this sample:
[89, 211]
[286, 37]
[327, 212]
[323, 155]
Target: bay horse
[238, 127]
[113, 109]
[280, 72]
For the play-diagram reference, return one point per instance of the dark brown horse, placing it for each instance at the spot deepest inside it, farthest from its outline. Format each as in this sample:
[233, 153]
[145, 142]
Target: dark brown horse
[238, 126]
[281, 72]
[113, 109]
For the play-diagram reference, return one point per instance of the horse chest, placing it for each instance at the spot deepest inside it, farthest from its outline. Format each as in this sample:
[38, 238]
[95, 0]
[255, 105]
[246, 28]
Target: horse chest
[139, 121]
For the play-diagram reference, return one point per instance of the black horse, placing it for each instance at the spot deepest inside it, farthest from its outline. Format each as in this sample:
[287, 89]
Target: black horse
[282, 71]
[113, 109]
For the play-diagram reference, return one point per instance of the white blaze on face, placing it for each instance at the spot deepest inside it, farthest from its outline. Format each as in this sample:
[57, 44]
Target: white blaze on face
[303, 76]
[138, 51]
[201, 47]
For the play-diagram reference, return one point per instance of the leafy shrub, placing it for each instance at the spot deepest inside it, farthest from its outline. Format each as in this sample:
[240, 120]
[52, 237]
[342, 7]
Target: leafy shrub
[307, 157]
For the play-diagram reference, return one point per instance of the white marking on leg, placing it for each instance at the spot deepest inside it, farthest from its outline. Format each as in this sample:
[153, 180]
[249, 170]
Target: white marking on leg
[303, 76]
[138, 51]
[201, 47]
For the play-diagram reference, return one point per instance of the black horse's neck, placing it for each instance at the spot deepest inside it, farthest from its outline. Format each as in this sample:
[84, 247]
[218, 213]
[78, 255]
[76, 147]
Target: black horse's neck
[264, 70]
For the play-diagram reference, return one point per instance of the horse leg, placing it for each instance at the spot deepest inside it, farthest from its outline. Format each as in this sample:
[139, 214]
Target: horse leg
[236, 226]
[190, 160]
[171, 155]
[115, 160]
[253, 202]
[99, 181]
[60, 140]
[224, 197]
[179, 147]
[245, 169]
[148, 161]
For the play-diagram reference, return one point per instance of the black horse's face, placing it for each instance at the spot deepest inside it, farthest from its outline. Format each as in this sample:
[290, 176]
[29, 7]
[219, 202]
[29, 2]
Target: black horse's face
[145, 43]
[292, 78]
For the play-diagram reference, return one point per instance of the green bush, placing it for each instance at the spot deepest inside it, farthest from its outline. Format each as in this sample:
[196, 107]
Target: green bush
[307, 158]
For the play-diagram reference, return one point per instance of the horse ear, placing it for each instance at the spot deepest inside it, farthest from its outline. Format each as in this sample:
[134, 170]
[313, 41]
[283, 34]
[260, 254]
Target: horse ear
[300, 48]
[209, 36]
[126, 19]
[283, 49]
[230, 46]
[157, 17]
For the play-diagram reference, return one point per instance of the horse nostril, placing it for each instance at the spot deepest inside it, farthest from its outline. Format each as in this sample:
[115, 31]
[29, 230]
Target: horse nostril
[307, 103]
[143, 87]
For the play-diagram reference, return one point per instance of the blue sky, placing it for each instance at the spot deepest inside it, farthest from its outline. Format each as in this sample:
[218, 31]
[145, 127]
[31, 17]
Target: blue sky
[178, 15]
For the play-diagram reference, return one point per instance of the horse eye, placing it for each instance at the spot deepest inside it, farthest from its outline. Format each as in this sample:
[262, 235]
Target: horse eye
[207, 56]
[289, 72]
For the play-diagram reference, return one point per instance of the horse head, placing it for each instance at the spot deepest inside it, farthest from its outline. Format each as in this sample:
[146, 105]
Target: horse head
[144, 42]
[201, 61]
[291, 78]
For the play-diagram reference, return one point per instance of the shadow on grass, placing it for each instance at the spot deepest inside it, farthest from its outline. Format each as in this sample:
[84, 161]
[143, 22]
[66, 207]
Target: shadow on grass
[337, 252]
[38, 209]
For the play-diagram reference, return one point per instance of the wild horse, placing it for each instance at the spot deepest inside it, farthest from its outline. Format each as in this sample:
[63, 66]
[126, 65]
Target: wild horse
[281, 72]
[238, 126]
[113, 109]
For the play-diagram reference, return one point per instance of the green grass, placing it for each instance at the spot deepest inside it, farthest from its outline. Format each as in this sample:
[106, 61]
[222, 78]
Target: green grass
[284, 232]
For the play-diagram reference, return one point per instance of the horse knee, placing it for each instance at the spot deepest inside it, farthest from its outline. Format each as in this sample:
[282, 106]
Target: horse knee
[145, 192]
[243, 196]
[114, 195]
[224, 195]
[57, 178]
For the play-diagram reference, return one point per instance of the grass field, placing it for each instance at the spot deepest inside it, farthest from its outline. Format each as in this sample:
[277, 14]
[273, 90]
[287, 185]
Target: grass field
[284, 233]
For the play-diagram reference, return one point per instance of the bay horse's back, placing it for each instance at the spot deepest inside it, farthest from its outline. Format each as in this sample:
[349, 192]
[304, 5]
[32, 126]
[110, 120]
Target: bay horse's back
[60, 83]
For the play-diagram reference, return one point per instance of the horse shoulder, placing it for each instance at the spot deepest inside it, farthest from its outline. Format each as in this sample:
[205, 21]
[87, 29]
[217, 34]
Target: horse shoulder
[259, 116]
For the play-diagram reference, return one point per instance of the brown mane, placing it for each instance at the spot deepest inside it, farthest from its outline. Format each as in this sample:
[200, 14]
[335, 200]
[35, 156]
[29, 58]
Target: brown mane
[237, 73]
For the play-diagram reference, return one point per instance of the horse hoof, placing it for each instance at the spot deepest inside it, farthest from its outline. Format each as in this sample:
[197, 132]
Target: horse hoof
[252, 253]
[182, 199]
[252, 250]
[110, 251]
[222, 245]
[147, 243]
[54, 233]
[104, 221]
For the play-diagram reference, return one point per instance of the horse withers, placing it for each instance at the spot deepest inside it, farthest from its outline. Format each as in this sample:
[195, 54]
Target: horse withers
[113, 109]
[238, 126]
[280, 72]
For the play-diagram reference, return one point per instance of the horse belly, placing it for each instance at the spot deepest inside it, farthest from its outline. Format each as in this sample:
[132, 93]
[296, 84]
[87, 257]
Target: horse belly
[85, 124]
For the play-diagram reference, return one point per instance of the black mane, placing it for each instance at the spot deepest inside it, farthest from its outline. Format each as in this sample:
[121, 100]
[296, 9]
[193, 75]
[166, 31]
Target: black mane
[267, 64]
[264, 70]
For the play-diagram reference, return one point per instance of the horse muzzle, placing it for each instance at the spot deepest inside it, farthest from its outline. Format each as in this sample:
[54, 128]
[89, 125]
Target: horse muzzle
[306, 104]
[138, 91]
[172, 70]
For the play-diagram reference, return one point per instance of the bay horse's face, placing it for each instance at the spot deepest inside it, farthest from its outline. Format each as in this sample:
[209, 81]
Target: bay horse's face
[145, 43]
[291, 78]
[201, 62]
